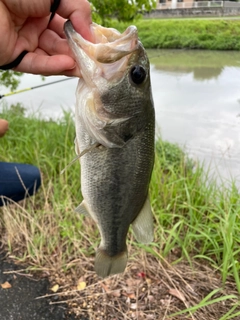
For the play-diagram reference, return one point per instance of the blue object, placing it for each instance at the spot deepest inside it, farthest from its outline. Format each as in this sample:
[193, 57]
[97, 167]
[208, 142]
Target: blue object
[18, 181]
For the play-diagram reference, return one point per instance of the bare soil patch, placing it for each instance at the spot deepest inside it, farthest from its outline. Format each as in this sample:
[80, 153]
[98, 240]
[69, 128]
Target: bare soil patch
[148, 289]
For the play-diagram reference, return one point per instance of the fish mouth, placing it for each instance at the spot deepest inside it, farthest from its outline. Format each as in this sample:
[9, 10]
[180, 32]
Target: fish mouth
[107, 55]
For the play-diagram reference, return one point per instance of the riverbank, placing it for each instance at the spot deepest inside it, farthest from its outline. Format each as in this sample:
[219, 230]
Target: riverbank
[210, 34]
[191, 266]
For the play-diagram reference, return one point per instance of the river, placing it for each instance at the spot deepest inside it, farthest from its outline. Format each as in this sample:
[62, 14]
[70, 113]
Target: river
[197, 103]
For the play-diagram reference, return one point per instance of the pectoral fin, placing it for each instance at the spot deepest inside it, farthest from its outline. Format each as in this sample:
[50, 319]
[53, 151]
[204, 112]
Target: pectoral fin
[95, 145]
[143, 225]
[77, 150]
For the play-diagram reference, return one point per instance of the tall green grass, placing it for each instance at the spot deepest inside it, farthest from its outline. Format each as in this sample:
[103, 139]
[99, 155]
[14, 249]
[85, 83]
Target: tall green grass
[187, 34]
[45, 224]
[47, 144]
[195, 218]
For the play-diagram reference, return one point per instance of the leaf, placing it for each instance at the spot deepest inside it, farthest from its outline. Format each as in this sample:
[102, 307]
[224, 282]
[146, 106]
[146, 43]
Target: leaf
[105, 287]
[116, 293]
[176, 293]
[131, 296]
[81, 285]
[55, 288]
[6, 285]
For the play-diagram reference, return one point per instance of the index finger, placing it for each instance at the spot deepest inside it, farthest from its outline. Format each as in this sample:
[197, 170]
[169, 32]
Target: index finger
[79, 12]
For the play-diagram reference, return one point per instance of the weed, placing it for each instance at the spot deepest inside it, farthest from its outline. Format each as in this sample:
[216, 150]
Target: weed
[197, 223]
[187, 33]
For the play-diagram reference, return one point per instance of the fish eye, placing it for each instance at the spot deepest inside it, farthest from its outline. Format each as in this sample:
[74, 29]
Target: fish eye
[138, 74]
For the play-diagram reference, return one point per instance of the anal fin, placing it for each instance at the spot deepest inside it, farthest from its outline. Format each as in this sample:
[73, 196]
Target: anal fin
[82, 209]
[143, 225]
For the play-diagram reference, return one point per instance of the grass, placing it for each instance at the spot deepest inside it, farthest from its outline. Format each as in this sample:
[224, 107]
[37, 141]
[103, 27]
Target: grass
[199, 219]
[211, 34]
[192, 266]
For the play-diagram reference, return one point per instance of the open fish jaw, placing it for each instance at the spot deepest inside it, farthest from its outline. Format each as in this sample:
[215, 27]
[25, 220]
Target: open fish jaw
[104, 57]
[109, 45]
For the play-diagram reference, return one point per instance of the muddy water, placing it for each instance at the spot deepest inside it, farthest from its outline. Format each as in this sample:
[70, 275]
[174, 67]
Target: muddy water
[197, 99]
[197, 102]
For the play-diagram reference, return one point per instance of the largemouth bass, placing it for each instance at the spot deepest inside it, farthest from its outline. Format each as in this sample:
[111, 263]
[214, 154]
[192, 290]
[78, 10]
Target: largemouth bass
[115, 129]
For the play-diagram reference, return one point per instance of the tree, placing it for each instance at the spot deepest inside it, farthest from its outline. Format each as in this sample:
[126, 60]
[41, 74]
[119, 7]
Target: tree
[10, 79]
[122, 10]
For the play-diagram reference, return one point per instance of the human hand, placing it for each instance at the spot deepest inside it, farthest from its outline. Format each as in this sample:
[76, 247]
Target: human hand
[3, 127]
[24, 25]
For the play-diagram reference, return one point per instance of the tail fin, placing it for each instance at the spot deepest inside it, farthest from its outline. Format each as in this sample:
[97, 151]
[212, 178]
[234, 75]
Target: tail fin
[106, 265]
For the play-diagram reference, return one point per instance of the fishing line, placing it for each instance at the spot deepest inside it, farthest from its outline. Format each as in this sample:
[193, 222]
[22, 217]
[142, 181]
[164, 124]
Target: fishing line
[34, 87]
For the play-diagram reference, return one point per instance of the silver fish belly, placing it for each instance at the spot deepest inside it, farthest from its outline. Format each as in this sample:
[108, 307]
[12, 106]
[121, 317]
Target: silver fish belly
[115, 129]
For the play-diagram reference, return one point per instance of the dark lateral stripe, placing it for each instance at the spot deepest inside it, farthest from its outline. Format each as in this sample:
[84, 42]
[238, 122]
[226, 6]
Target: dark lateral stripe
[54, 8]
[15, 63]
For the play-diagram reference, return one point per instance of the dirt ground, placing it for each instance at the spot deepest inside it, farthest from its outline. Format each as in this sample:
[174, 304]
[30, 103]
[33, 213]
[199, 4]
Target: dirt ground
[19, 291]
[149, 289]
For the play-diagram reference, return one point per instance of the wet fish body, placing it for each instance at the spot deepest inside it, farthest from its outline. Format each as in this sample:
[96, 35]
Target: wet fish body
[115, 124]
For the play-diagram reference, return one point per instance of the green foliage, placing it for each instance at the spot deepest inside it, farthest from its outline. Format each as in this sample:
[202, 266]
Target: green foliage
[46, 143]
[123, 10]
[171, 157]
[195, 218]
[10, 79]
[209, 34]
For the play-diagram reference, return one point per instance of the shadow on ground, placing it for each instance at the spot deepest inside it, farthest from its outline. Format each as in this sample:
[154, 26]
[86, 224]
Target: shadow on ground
[18, 293]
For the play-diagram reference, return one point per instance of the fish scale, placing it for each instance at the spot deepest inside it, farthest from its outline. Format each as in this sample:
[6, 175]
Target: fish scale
[115, 129]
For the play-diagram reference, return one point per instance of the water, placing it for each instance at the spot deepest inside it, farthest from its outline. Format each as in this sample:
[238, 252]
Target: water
[197, 97]
[48, 101]
[197, 102]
